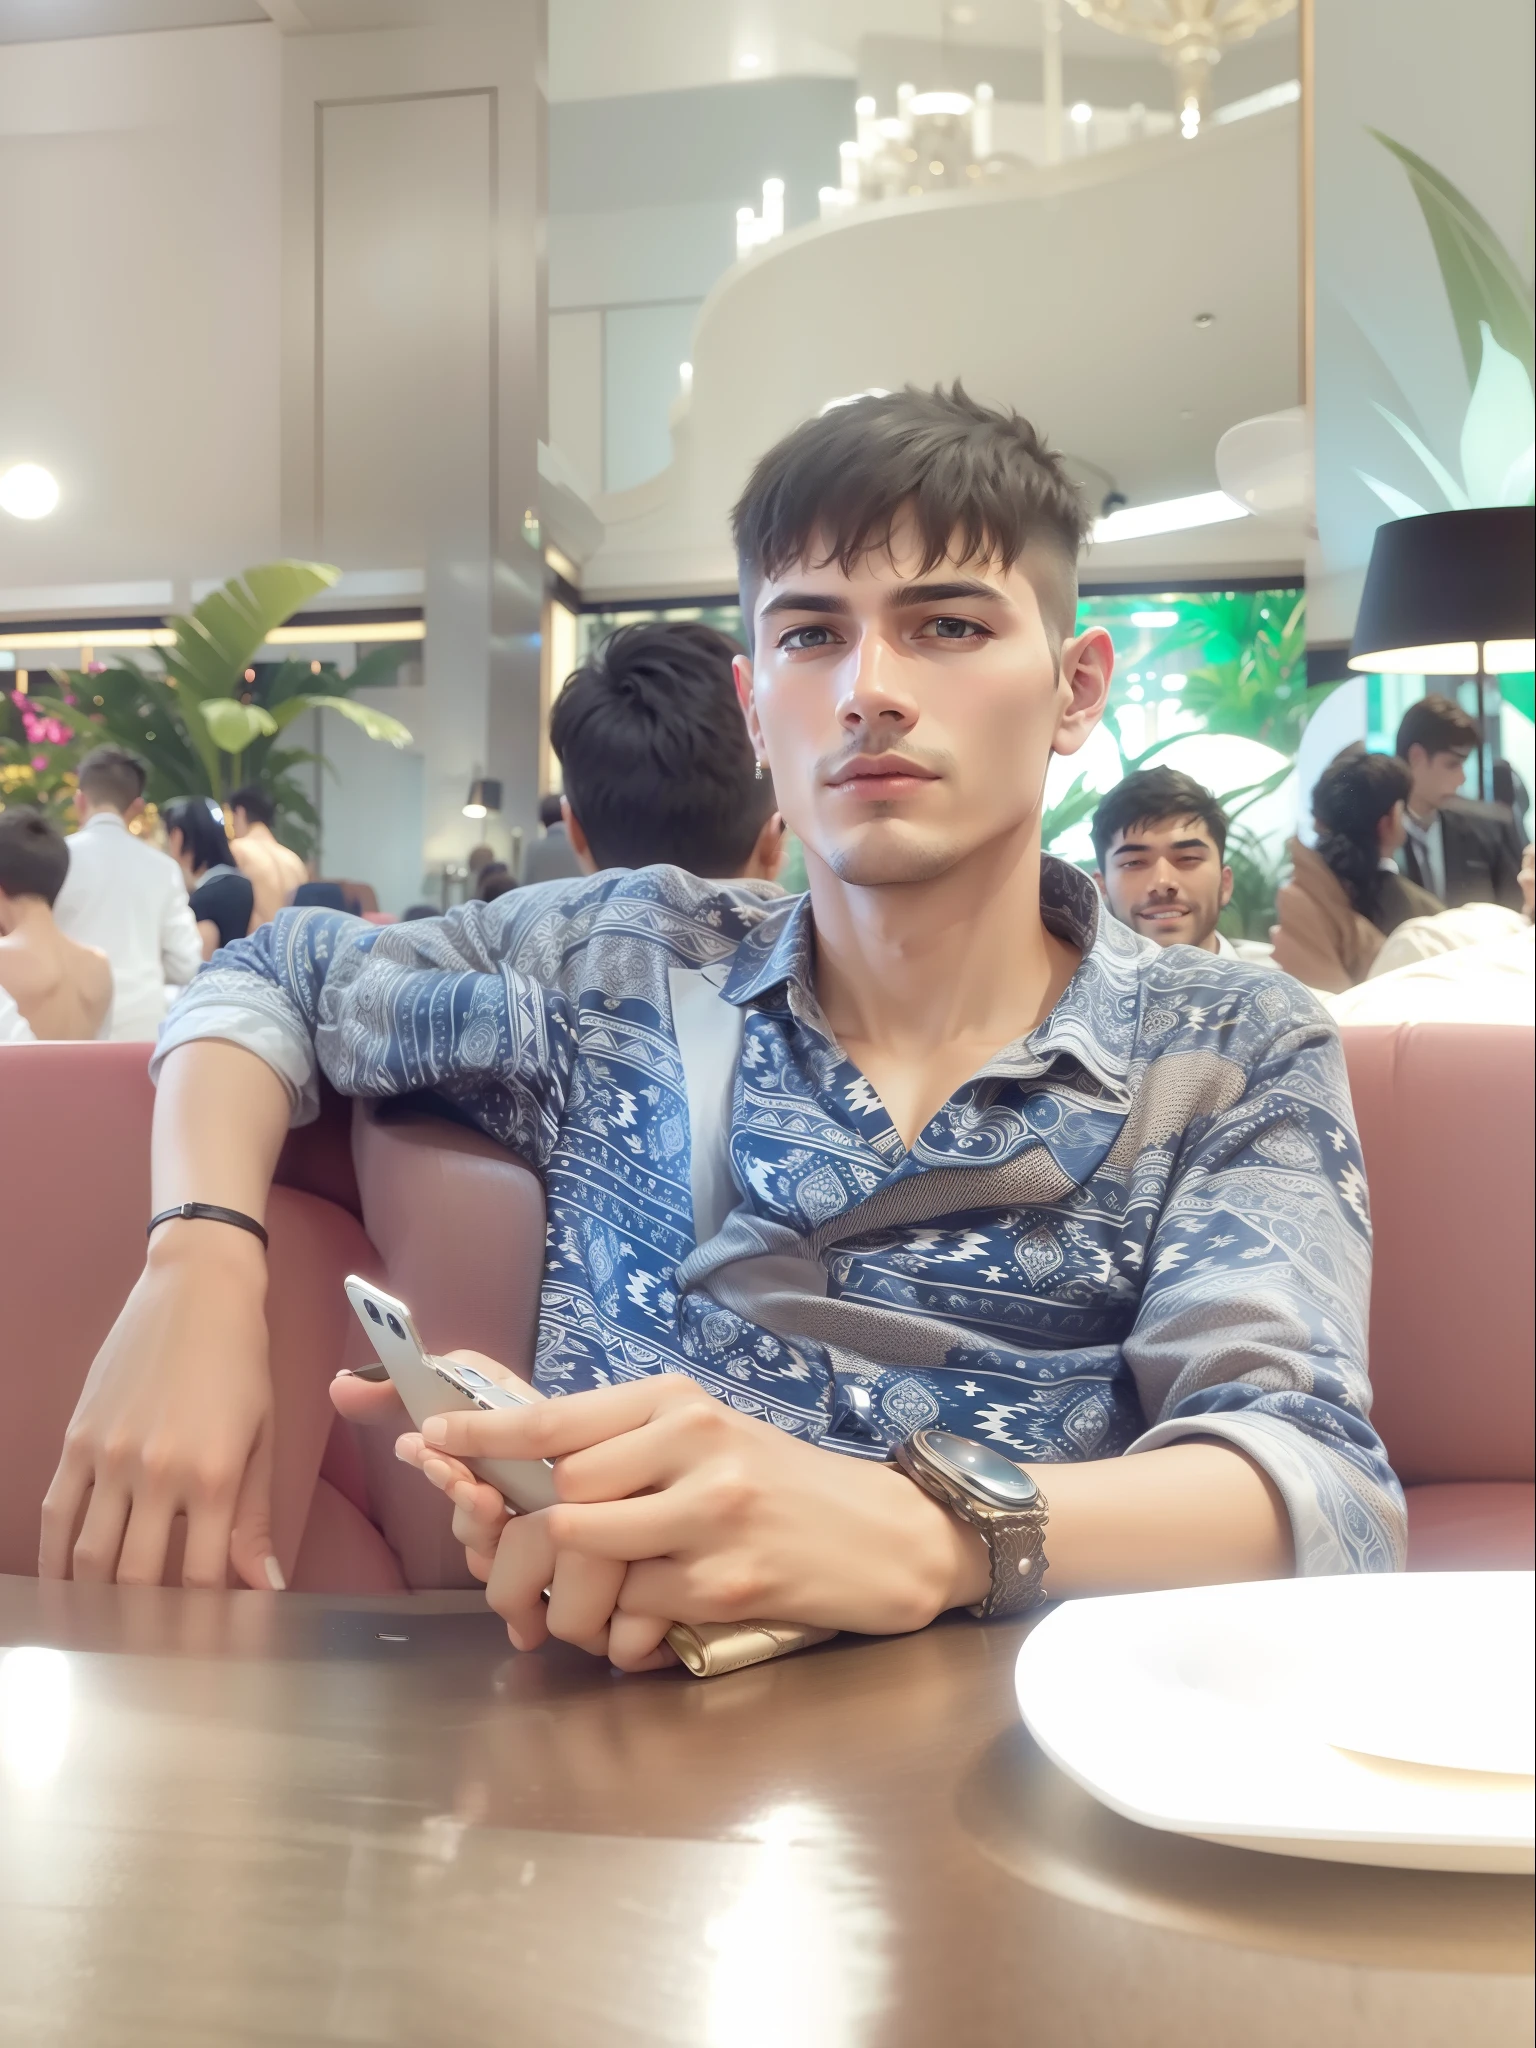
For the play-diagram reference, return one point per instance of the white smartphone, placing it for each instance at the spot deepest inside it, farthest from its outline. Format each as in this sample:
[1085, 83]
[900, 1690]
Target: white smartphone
[440, 1386]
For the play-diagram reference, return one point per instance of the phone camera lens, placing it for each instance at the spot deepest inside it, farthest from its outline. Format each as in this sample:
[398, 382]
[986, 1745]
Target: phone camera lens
[373, 1313]
[394, 1324]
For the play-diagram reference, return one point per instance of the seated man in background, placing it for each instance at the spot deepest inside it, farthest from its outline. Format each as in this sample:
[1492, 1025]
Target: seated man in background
[1476, 965]
[657, 765]
[125, 896]
[1460, 851]
[883, 1221]
[63, 990]
[551, 858]
[1161, 842]
[273, 870]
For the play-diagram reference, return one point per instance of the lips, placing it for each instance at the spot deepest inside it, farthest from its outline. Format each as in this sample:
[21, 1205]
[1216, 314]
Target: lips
[880, 775]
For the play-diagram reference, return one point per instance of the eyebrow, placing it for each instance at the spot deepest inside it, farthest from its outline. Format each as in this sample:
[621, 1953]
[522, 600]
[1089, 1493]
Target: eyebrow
[902, 598]
[1177, 846]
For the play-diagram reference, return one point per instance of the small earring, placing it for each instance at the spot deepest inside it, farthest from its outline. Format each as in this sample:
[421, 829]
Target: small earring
[758, 772]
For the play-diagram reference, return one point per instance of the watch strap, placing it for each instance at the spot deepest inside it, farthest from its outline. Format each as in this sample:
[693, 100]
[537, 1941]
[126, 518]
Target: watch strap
[208, 1212]
[1015, 1539]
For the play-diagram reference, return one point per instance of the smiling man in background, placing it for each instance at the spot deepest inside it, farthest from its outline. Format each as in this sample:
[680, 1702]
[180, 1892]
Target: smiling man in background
[884, 1221]
[1161, 842]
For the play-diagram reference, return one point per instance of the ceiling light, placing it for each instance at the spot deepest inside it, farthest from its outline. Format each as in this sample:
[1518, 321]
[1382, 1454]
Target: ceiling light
[28, 491]
[1152, 620]
[1082, 113]
[1169, 515]
[748, 61]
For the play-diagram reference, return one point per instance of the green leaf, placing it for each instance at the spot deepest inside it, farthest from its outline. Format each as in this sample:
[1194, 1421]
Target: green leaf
[1500, 426]
[378, 725]
[376, 670]
[216, 643]
[1482, 280]
[234, 725]
[1398, 503]
[1455, 496]
[1519, 483]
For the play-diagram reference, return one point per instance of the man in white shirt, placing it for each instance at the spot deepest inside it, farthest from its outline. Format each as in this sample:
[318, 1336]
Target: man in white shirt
[1161, 842]
[126, 897]
[14, 1028]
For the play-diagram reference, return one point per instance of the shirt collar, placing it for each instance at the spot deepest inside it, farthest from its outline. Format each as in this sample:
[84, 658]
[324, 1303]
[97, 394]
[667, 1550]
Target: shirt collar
[1093, 1023]
[112, 818]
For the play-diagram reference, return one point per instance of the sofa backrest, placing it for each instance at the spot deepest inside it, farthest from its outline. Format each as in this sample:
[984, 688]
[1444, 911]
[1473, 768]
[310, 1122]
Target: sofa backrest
[1445, 1114]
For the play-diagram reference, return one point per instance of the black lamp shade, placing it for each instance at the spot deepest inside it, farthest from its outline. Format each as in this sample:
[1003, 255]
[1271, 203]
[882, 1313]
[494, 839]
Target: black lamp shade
[484, 797]
[1447, 589]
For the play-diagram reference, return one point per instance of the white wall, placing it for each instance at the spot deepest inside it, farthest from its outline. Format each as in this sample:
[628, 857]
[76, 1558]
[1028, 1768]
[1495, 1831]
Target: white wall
[139, 263]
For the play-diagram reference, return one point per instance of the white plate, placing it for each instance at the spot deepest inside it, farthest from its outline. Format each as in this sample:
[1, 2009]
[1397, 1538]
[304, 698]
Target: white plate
[1360, 1720]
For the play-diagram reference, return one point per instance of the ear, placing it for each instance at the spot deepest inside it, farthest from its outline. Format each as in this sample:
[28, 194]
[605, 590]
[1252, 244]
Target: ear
[1226, 889]
[577, 837]
[1099, 884]
[82, 805]
[1087, 663]
[741, 669]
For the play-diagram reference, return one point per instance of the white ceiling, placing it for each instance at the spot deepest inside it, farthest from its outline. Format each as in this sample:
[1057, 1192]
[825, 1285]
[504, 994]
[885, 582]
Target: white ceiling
[54, 21]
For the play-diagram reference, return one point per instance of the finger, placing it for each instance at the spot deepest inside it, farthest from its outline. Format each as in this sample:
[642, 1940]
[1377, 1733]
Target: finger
[64, 1507]
[582, 1595]
[141, 1561]
[691, 1591]
[637, 1642]
[373, 1402]
[523, 1567]
[444, 1472]
[479, 1516]
[553, 1429]
[250, 1535]
[101, 1533]
[205, 1560]
[652, 1525]
[636, 1462]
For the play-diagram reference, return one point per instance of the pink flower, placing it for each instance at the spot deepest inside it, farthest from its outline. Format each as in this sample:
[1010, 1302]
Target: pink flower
[39, 763]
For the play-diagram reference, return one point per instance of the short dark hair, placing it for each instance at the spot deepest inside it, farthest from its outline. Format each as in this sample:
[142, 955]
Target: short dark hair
[34, 858]
[977, 483]
[1438, 726]
[496, 878]
[201, 824]
[1149, 795]
[1349, 800]
[111, 775]
[550, 812]
[654, 749]
[255, 803]
[414, 913]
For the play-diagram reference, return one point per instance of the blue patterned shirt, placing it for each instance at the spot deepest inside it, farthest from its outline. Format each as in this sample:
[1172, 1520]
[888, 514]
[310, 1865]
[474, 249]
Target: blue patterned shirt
[1145, 1221]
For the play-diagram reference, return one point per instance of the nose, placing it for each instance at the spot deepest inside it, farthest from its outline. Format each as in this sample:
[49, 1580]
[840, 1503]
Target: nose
[876, 696]
[1163, 881]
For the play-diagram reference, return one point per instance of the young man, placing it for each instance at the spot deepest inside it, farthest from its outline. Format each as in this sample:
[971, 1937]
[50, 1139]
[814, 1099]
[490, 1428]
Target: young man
[1161, 842]
[273, 870]
[61, 989]
[882, 1221]
[657, 765]
[125, 896]
[1460, 851]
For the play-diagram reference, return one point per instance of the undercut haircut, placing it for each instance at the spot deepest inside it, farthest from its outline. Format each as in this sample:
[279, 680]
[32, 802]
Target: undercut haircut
[113, 776]
[654, 751]
[972, 482]
[1438, 726]
[34, 857]
[1147, 798]
[255, 803]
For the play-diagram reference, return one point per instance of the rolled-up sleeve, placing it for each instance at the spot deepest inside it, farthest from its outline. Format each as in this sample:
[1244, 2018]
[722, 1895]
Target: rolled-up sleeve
[391, 1010]
[1252, 1324]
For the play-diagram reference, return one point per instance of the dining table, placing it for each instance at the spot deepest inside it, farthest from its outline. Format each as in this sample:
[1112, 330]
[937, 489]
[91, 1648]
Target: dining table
[241, 1817]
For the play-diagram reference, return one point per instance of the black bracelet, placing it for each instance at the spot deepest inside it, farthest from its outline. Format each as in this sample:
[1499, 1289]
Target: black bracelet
[207, 1212]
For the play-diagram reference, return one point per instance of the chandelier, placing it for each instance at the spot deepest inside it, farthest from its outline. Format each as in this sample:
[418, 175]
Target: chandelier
[1191, 35]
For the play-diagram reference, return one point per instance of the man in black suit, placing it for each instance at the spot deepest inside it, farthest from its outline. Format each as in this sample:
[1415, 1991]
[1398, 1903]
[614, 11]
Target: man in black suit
[1462, 852]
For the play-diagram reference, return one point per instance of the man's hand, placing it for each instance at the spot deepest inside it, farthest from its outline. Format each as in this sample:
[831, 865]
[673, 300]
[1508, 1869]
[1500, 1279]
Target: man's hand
[175, 1418]
[673, 1505]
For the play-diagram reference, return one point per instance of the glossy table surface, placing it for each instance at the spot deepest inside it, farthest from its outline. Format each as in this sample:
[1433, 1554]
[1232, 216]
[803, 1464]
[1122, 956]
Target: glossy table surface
[247, 1818]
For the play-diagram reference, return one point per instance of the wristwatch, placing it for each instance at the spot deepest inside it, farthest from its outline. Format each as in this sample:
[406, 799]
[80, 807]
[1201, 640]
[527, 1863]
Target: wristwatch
[998, 1499]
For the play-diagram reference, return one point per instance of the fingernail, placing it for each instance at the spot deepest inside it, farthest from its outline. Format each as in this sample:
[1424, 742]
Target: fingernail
[439, 1471]
[435, 1430]
[275, 1579]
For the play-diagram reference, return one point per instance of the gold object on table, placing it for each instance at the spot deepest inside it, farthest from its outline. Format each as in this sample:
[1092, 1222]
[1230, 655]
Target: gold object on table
[710, 1648]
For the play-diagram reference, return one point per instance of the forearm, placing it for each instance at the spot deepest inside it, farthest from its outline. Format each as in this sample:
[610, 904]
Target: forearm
[221, 1115]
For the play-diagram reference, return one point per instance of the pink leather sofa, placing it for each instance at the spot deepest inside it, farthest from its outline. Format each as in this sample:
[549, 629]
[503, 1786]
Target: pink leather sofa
[455, 1225]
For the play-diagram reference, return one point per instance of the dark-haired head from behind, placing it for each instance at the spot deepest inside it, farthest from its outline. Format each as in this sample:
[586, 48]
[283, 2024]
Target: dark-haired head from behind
[34, 857]
[415, 912]
[200, 825]
[550, 812]
[257, 806]
[1161, 842]
[654, 752]
[111, 778]
[1356, 804]
[934, 472]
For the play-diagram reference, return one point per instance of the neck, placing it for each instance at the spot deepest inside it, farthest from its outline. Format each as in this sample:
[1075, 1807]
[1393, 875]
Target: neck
[1210, 943]
[963, 956]
[1421, 812]
[27, 918]
[94, 811]
[257, 832]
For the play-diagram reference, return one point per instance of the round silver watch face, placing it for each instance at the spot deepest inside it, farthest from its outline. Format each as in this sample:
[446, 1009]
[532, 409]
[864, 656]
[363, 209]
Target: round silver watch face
[979, 1469]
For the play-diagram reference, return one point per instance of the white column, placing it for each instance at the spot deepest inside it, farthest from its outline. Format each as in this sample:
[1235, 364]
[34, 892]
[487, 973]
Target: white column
[1050, 76]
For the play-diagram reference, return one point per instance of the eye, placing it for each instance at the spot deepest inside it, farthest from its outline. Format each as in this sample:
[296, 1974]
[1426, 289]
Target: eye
[806, 639]
[954, 629]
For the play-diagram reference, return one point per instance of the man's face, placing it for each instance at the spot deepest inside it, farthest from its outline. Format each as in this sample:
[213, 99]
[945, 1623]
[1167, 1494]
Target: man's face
[908, 717]
[1436, 777]
[1164, 878]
